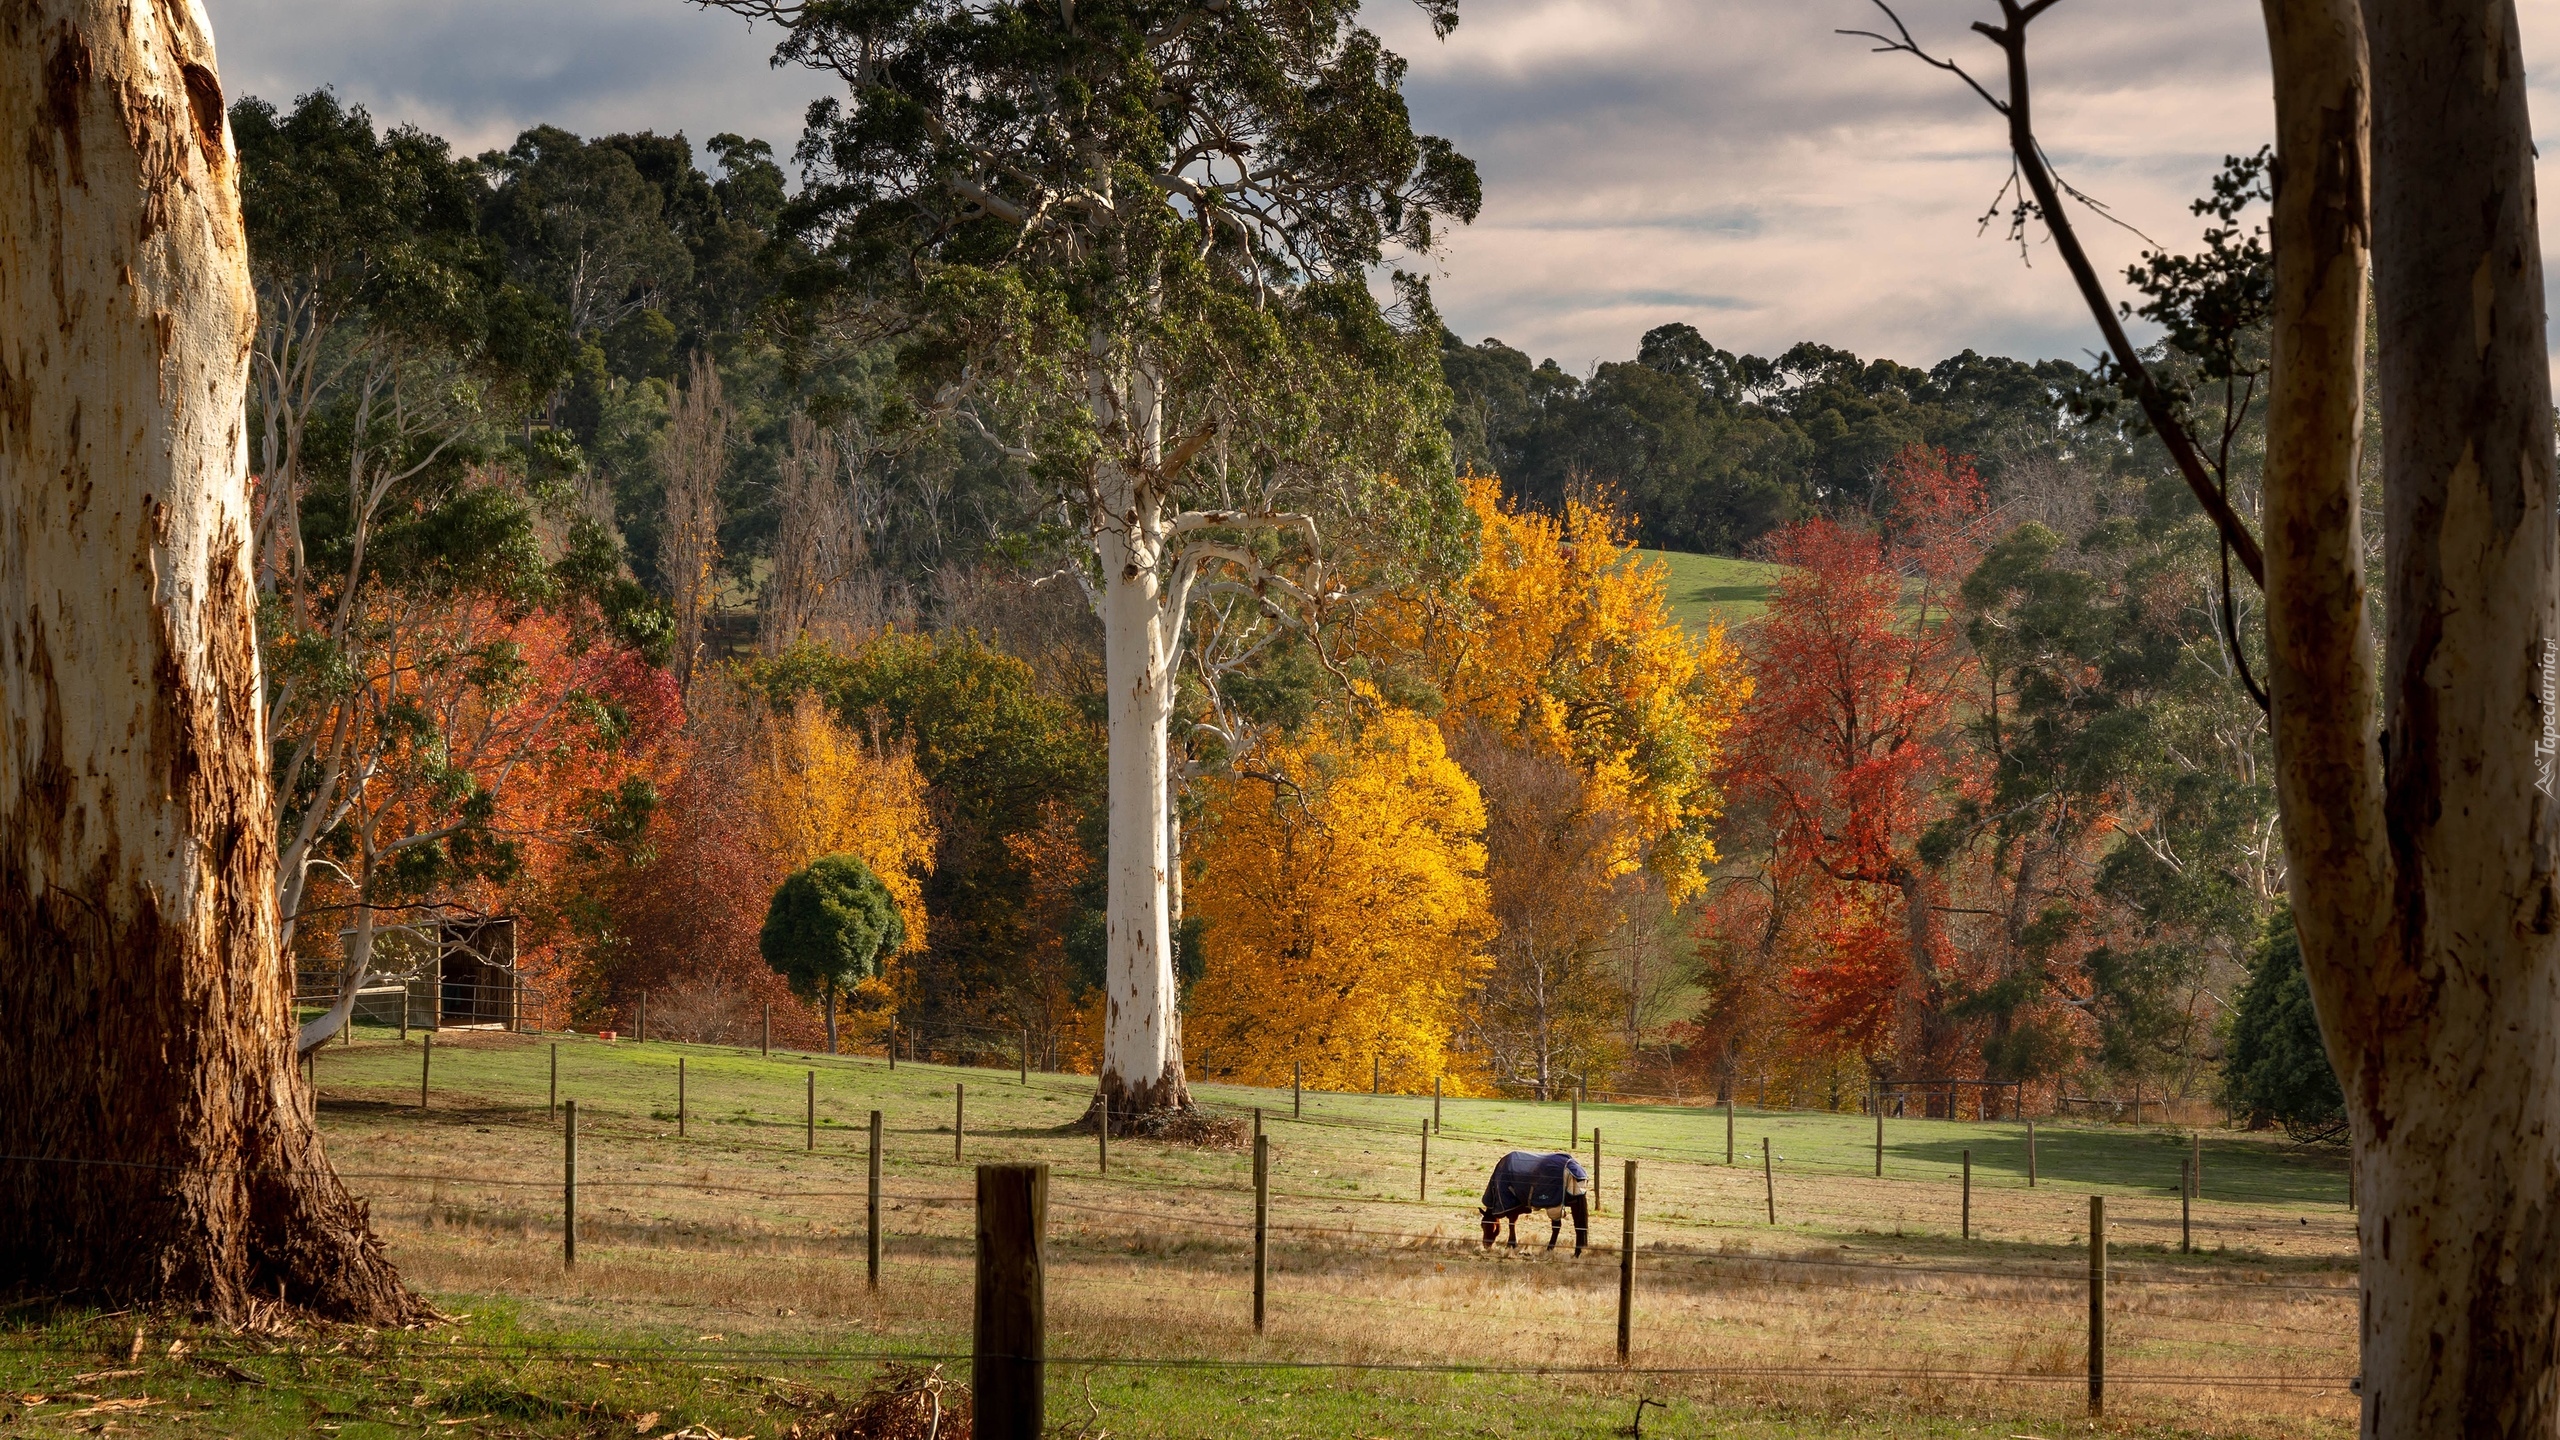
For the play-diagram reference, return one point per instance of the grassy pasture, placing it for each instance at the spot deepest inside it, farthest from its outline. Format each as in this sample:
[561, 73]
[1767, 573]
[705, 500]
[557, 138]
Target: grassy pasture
[1712, 589]
[720, 1278]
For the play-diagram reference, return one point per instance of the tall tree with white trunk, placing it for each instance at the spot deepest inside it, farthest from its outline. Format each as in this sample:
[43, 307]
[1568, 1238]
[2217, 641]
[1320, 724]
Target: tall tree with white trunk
[1129, 242]
[2416, 786]
[160, 1146]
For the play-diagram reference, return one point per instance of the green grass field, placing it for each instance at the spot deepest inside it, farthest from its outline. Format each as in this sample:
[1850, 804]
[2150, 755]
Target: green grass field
[720, 1281]
[1715, 589]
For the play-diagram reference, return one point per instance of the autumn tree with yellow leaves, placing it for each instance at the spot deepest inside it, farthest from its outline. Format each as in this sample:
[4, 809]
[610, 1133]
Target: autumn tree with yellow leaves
[1341, 876]
[819, 788]
[1593, 723]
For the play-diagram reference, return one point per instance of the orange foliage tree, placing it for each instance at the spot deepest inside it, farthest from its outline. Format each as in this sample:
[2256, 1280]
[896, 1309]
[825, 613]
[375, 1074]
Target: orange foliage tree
[1341, 879]
[1847, 747]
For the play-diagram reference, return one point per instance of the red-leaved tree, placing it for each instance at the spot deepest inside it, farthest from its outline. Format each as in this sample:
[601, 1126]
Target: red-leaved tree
[1842, 754]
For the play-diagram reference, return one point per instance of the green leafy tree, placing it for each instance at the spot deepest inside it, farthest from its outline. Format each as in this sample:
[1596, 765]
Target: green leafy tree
[1129, 242]
[2124, 799]
[827, 928]
[2277, 1071]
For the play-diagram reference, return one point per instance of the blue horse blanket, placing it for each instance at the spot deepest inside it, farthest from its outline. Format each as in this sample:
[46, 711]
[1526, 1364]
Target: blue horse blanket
[1526, 1180]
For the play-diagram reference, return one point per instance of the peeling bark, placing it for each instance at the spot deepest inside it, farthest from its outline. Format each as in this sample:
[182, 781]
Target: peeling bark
[2422, 851]
[162, 1150]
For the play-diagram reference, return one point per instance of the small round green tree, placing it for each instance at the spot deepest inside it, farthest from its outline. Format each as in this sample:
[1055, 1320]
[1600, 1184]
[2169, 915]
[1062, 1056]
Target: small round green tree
[827, 928]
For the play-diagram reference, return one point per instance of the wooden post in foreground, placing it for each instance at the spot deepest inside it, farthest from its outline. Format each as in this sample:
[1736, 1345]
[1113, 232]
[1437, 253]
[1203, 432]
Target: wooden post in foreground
[1261, 1219]
[680, 1097]
[426, 1061]
[569, 1189]
[1626, 1265]
[871, 1225]
[1008, 1358]
[1769, 1175]
[2097, 1305]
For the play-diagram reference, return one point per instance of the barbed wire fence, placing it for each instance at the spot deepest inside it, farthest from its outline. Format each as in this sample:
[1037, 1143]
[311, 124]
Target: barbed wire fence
[1409, 1227]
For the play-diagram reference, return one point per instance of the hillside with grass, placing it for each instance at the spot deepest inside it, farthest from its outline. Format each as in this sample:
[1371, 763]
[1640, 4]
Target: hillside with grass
[1714, 589]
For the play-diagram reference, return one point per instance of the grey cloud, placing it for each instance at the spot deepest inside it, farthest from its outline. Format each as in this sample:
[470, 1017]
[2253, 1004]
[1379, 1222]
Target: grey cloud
[1733, 163]
[479, 71]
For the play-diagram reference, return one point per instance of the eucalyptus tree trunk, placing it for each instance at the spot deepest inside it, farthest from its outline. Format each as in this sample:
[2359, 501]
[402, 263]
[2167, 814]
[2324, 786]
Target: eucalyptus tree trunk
[1142, 647]
[160, 1148]
[2422, 850]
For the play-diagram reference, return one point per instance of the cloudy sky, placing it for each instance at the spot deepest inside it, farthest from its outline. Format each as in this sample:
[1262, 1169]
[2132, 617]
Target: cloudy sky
[1731, 163]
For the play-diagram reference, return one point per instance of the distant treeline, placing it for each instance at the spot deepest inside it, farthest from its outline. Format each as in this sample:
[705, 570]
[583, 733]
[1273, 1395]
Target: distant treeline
[1708, 450]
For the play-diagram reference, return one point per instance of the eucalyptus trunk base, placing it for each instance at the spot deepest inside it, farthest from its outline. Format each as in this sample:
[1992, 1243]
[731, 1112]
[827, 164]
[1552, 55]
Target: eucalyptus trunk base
[1164, 1111]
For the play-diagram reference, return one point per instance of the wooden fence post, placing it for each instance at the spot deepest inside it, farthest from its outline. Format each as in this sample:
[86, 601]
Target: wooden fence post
[959, 1114]
[2186, 1207]
[2195, 1173]
[2031, 1154]
[1627, 1266]
[1769, 1175]
[1022, 1056]
[2097, 1305]
[680, 1098]
[1422, 1189]
[871, 1224]
[893, 1047]
[569, 1188]
[812, 1113]
[1435, 1102]
[1373, 1074]
[426, 1061]
[1261, 1219]
[1968, 1194]
[1009, 1356]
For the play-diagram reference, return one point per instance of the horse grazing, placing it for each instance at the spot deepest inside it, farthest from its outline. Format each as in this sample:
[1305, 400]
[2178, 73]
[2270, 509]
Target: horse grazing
[1527, 1180]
